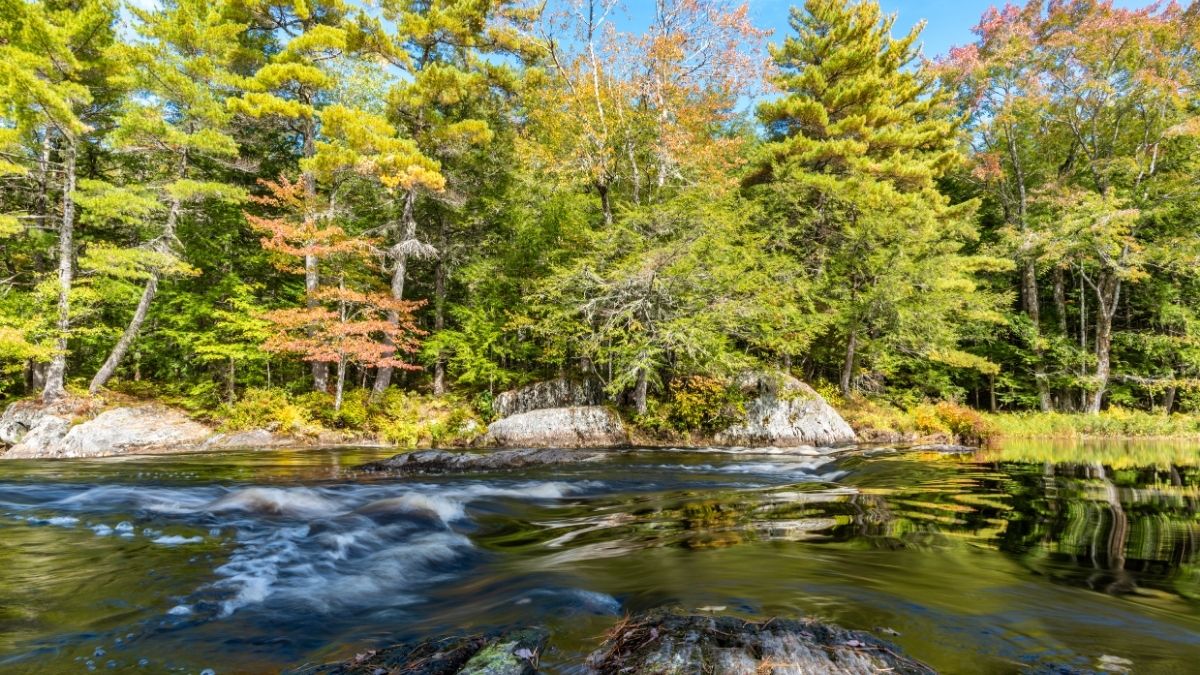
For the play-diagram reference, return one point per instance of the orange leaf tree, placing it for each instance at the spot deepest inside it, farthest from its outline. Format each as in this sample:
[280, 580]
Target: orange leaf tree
[338, 324]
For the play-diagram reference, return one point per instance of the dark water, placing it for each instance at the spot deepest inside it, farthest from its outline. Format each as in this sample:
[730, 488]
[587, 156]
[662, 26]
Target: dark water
[259, 561]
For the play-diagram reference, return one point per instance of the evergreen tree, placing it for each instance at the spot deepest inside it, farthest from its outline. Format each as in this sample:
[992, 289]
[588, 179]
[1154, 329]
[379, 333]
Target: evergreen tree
[856, 147]
[175, 123]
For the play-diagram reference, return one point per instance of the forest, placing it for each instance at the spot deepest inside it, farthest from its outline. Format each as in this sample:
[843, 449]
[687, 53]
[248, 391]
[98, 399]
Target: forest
[204, 201]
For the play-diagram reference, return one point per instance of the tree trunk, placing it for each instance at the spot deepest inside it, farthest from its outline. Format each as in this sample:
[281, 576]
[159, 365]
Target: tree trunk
[605, 203]
[639, 392]
[1108, 294]
[341, 384]
[1029, 292]
[383, 376]
[231, 382]
[312, 275]
[848, 366]
[1060, 300]
[439, 320]
[57, 372]
[35, 378]
[135, 324]
[139, 315]
[312, 280]
[1032, 306]
[1169, 399]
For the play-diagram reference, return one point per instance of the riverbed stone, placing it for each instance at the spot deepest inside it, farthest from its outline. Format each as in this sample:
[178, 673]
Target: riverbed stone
[562, 392]
[442, 461]
[511, 653]
[667, 642]
[784, 412]
[574, 427]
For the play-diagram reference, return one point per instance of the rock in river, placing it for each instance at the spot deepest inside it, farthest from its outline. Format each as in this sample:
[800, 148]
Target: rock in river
[576, 427]
[513, 653]
[659, 642]
[664, 642]
[441, 461]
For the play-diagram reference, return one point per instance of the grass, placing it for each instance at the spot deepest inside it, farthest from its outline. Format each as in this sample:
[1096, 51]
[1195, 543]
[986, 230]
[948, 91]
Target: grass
[1117, 454]
[1111, 423]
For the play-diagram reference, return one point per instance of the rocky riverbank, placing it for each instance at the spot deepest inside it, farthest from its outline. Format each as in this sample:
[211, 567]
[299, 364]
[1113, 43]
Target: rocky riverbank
[79, 428]
[777, 410]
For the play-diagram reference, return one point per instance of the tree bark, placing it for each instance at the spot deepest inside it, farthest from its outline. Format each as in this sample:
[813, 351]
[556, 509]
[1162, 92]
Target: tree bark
[1169, 399]
[341, 384]
[848, 365]
[1032, 306]
[312, 275]
[56, 374]
[1108, 295]
[383, 376]
[439, 319]
[1060, 300]
[135, 324]
[605, 203]
[640, 390]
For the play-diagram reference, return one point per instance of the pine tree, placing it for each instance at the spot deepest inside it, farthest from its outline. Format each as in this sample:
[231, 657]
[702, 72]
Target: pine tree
[176, 119]
[856, 146]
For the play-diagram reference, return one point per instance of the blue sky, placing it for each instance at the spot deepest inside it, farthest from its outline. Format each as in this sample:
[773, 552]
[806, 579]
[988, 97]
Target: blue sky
[947, 23]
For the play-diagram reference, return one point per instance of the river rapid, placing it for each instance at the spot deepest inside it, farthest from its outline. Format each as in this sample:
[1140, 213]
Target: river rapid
[260, 561]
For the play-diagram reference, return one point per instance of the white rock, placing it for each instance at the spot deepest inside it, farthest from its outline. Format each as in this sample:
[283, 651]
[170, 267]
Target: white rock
[118, 431]
[574, 427]
[785, 412]
[558, 393]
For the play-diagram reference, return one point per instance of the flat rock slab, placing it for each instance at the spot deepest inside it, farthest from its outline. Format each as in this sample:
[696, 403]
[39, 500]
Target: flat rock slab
[441, 461]
[514, 653]
[53, 431]
[663, 642]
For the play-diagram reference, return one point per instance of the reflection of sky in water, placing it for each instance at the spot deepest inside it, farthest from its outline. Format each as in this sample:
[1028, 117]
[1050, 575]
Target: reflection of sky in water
[264, 560]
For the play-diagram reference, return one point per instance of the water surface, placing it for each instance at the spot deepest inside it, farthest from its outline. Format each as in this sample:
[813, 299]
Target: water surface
[257, 561]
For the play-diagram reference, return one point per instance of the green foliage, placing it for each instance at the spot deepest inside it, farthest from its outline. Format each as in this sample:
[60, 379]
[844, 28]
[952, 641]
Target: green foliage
[270, 409]
[695, 403]
[995, 227]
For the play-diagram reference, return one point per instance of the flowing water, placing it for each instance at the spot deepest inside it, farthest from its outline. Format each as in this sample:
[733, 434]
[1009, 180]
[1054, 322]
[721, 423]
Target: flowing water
[259, 561]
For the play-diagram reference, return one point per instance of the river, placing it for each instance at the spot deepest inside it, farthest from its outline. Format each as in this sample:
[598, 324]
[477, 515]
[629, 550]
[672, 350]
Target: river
[258, 561]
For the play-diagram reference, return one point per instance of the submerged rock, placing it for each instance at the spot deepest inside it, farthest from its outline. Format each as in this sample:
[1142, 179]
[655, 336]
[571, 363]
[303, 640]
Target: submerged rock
[663, 642]
[441, 461]
[783, 411]
[578, 427]
[514, 653]
[557, 393]
[254, 438]
[944, 448]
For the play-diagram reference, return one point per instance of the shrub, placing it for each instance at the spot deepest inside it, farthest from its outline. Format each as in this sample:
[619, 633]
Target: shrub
[271, 409]
[696, 403]
[965, 423]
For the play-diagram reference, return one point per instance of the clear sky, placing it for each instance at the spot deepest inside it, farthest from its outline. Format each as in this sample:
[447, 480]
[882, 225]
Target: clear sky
[947, 23]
